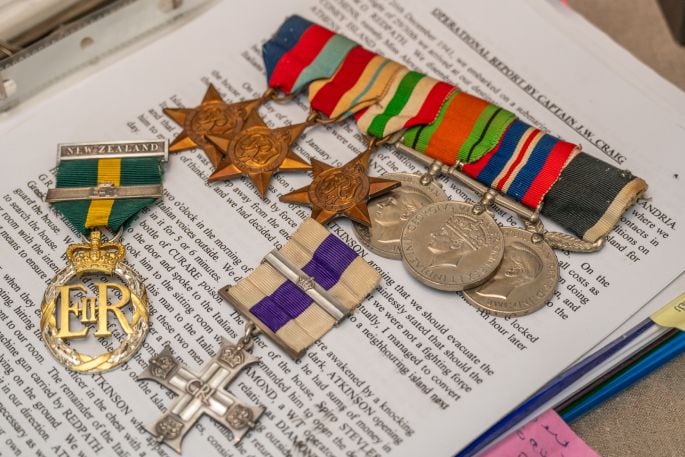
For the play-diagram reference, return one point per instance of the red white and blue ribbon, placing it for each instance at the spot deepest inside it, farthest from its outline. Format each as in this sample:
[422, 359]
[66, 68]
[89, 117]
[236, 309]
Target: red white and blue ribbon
[581, 193]
[301, 52]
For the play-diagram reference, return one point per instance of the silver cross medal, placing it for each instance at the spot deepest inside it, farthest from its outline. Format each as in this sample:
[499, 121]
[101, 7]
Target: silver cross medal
[202, 393]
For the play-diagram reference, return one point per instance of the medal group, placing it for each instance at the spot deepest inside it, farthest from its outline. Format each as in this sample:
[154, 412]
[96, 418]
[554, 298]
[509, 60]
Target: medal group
[302, 290]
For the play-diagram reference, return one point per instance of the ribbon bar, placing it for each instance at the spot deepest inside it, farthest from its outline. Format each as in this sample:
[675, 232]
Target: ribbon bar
[307, 284]
[102, 192]
[113, 150]
[106, 184]
[488, 143]
[304, 289]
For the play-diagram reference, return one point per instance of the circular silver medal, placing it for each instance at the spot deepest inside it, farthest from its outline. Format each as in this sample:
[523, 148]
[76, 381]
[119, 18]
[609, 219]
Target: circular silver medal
[391, 212]
[525, 280]
[452, 246]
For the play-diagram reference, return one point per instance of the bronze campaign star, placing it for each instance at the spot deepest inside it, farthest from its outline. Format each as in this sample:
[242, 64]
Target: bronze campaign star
[258, 152]
[341, 191]
[213, 116]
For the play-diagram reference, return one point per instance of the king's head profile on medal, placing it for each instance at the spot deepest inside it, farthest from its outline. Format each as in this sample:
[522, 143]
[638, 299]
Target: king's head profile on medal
[519, 268]
[450, 243]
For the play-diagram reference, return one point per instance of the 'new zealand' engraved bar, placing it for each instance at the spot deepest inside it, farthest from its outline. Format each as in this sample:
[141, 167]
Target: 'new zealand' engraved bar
[113, 150]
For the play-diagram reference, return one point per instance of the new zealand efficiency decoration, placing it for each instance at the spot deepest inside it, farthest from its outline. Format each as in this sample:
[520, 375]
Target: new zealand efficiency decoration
[100, 185]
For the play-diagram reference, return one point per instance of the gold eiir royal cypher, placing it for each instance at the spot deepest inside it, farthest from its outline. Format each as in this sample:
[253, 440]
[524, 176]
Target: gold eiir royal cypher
[100, 185]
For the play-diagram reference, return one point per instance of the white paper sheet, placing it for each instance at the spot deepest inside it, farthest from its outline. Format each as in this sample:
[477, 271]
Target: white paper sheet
[636, 114]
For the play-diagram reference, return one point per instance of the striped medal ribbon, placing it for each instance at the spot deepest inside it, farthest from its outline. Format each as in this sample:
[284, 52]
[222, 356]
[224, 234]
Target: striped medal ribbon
[456, 246]
[234, 135]
[297, 54]
[486, 147]
[302, 290]
[408, 213]
[490, 149]
[361, 79]
[102, 175]
[301, 52]
[489, 144]
[352, 83]
[100, 186]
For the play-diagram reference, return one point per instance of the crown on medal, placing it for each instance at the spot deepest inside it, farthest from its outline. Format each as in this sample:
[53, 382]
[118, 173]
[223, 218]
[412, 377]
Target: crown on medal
[467, 229]
[95, 256]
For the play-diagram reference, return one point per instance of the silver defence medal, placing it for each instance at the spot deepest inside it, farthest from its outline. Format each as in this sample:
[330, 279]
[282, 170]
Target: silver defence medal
[452, 245]
[390, 213]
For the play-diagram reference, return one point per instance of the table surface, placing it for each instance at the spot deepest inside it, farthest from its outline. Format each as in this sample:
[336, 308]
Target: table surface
[647, 419]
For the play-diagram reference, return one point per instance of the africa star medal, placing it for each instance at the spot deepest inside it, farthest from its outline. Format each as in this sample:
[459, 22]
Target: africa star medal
[258, 152]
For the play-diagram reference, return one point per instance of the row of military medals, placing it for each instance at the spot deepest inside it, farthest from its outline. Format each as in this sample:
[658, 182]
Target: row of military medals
[447, 245]
[459, 247]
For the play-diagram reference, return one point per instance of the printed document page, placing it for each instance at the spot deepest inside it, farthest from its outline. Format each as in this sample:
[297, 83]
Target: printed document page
[413, 369]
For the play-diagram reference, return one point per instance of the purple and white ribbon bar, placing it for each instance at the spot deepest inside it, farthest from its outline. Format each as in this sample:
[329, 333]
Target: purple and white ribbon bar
[302, 290]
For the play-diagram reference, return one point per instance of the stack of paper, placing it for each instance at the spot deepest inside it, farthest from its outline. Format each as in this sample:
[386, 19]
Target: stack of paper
[355, 393]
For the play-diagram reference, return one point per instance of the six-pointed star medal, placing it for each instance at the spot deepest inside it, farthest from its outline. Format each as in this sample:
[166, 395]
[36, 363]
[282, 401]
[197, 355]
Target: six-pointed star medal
[258, 152]
[341, 191]
[213, 116]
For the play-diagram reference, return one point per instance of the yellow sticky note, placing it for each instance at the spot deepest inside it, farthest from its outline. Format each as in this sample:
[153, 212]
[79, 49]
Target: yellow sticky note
[672, 315]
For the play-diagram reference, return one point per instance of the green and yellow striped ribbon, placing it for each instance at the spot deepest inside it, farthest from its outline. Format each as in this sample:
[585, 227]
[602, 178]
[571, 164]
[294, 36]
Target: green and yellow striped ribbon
[112, 213]
[465, 129]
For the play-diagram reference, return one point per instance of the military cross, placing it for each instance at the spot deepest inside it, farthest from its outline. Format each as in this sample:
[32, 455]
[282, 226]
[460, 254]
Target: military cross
[201, 393]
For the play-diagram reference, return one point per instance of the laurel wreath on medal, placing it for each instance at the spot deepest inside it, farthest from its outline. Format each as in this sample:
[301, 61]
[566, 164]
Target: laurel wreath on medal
[85, 363]
[571, 243]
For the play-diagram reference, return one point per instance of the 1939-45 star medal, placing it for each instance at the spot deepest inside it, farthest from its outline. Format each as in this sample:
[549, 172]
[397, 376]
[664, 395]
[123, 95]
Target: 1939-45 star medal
[310, 284]
[100, 185]
[212, 117]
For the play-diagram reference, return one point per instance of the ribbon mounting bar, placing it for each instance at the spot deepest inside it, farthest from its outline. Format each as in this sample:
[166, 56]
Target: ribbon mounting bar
[113, 150]
[106, 191]
[499, 199]
[307, 284]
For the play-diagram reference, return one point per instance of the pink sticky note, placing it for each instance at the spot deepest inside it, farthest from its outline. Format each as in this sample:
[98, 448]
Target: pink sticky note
[546, 436]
